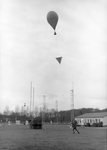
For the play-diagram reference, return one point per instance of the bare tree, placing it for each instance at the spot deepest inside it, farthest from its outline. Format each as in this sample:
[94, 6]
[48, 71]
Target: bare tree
[17, 110]
[22, 110]
[27, 111]
[36, 112]
[7, 111]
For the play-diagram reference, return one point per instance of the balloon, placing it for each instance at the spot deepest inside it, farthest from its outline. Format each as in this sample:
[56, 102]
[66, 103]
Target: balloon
[52, 19]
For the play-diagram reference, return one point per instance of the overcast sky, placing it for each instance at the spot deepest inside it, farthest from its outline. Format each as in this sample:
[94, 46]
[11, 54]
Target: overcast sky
[29, 48]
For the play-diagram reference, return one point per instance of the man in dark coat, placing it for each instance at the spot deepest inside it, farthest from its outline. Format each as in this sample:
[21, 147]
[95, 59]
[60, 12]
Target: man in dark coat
[74, 126]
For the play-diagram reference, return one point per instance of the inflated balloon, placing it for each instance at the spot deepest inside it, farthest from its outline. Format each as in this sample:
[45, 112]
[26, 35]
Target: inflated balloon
[52, 19]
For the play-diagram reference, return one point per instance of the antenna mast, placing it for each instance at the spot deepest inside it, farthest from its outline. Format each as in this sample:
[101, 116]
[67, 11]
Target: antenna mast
[44, 108]
[30, 97]
[72, 104]
[33, 101]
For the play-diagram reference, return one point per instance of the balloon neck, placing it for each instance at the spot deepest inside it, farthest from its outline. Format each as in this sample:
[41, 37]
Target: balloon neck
[54, 33]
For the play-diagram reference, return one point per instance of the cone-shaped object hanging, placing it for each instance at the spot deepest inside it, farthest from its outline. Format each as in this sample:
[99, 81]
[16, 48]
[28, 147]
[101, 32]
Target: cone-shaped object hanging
[59, 59]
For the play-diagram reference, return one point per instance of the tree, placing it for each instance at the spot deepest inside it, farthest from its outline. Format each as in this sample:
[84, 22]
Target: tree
[7, 111]
[36, 112]
[27, 111]
[22, 111]
[17, 111]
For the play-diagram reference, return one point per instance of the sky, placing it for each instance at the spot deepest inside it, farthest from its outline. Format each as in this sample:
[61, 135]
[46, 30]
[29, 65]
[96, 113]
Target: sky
[29, 48]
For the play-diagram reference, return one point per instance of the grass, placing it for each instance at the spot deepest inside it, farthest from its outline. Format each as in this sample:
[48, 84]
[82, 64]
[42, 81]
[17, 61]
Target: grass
[52, 137]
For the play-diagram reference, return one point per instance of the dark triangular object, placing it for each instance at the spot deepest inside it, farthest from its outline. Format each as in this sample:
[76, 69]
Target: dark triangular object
[59, 59]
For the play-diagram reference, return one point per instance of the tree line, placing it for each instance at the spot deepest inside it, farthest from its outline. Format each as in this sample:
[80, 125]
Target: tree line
[62, 116]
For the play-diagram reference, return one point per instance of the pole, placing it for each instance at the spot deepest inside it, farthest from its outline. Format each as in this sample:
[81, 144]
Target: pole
[72, 104]
[44, 107]
[33, 101]
[30, 97]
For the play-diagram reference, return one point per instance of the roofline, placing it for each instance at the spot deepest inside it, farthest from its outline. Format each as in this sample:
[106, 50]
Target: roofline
[82, 116]
[90, 117]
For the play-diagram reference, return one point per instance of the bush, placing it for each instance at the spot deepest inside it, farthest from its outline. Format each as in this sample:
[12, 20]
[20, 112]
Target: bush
[88, 125]
[100, 124]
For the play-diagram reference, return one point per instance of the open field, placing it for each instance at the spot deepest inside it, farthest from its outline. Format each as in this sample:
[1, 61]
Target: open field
[52, 137]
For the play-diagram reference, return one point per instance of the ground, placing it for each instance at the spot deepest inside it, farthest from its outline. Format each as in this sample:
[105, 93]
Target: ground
[52, 137]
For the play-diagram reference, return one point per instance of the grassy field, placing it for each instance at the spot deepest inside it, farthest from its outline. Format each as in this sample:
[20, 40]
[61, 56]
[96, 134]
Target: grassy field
[52, 137]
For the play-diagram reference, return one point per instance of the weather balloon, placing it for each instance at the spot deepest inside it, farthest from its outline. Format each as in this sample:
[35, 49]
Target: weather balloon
[52, 19]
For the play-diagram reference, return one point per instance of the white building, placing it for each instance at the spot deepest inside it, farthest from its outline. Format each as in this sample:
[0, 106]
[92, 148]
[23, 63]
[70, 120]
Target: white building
[92, 118]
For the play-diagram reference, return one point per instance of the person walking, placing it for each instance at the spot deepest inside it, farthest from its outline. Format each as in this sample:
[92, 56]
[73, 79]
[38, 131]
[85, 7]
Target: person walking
[74, 126]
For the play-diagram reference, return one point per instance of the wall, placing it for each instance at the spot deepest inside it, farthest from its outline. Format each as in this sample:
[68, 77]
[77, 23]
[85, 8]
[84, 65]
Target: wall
[83, 121]
[105, 121]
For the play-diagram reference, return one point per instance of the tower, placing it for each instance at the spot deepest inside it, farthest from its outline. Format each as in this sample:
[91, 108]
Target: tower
[33, 100]
[72, 105]
[30, 98]
[44, 108]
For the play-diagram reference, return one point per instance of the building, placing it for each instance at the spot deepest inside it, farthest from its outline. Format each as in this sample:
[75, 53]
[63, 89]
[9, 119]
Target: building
[92, 118]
